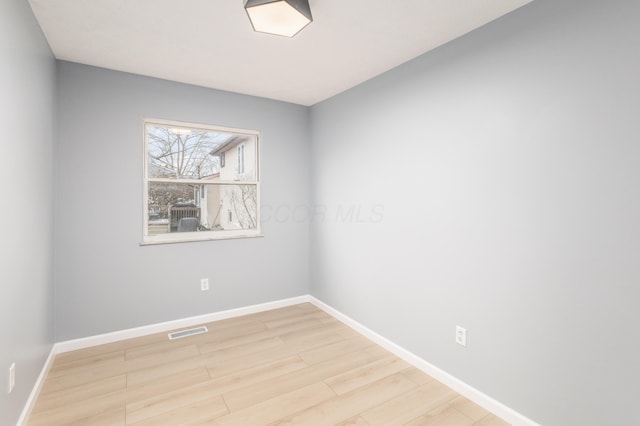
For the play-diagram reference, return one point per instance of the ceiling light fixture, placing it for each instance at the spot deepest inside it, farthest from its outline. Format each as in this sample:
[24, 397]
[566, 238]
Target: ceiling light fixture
[279, 17]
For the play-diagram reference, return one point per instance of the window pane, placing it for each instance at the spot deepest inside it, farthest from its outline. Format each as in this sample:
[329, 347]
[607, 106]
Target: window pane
[187, 153]
[198, 207]
[240, 159]
[236, 208]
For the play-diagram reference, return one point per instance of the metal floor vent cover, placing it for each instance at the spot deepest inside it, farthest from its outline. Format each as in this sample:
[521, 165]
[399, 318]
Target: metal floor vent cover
[185, 333]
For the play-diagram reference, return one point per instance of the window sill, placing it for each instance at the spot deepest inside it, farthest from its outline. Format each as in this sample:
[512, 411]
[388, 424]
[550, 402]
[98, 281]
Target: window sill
[186, 239]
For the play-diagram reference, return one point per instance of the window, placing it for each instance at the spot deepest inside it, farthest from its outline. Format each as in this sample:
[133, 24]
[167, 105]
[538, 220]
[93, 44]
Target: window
[240, 159]
[187, 189]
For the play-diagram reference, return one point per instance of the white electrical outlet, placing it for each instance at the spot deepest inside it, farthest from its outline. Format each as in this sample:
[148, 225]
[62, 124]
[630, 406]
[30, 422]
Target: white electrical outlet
[204, 284]
[12, 377]
[461, 336]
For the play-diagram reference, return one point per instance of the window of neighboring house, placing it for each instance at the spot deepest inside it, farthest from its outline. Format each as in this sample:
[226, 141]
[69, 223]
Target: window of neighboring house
[240, 159]
[187, 189]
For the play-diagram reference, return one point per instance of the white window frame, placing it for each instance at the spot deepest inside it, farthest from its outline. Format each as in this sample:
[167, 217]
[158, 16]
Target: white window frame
[179, 237]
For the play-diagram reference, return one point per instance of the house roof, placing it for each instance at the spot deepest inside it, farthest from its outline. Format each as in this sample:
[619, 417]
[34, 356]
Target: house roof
[226, 146]
[211, 177]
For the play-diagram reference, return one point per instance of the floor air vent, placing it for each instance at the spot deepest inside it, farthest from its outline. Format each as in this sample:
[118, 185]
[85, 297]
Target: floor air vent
[185, 333]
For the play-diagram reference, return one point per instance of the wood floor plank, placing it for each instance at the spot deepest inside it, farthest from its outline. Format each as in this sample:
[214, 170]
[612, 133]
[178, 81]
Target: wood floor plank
[109, 418]
[145, 391]
[349, 333]
[417, 376]
[65, 397]
[233, 337]
[234, 352]
[469, 408]
[168, 355]
[305, 329]
[408, 406]
[103, 359]
[366, 374]
[491, 420]
[80, 377]
[157, 372]
[272, 409]
[449, 416]
[306, 316]
[343, 407]
[323, 353]
[307, 307]
[196, 412]
[172, 402]
[355, 421]
[274, 314]
[78, 412]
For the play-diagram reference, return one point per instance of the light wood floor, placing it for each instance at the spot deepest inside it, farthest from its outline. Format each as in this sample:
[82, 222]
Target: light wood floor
[289, 366]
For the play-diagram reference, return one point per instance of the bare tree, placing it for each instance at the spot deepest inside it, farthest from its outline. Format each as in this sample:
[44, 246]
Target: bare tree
[182, 154]
[244, 201]
[163, 195]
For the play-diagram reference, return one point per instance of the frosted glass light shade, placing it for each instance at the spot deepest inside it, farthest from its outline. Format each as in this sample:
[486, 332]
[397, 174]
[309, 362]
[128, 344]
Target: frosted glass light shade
[280, 17]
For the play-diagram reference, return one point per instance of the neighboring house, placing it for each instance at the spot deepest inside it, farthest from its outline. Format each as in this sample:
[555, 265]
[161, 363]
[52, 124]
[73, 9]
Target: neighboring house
[210, 203]
[233, 206]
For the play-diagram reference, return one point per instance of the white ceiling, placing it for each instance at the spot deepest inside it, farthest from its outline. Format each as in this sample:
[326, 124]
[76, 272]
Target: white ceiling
[211, 43]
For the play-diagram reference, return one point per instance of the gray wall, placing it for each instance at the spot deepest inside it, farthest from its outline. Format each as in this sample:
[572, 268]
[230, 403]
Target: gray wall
[507, 163]
[105, 280]
[27, 120]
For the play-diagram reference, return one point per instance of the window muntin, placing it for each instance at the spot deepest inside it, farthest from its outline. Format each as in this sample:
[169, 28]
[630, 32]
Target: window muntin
[187, 189]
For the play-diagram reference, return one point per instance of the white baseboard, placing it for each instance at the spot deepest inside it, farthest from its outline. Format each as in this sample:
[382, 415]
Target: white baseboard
[454, 383]
[116, 336]
[469, 392]
[33, 396]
